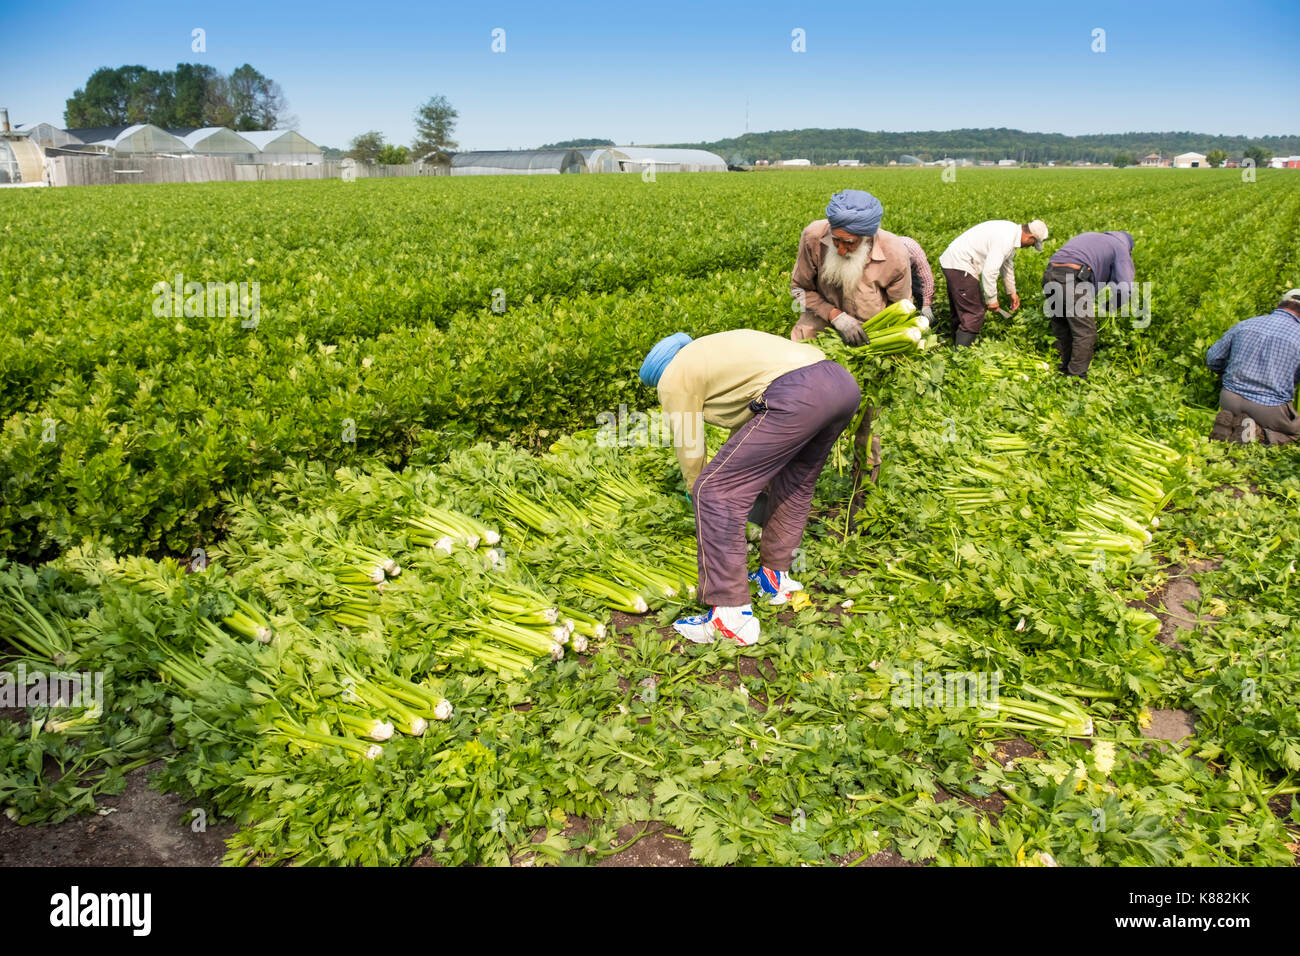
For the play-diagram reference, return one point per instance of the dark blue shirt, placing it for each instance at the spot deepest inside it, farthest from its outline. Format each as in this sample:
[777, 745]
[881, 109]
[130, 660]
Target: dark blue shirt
[1108, 254]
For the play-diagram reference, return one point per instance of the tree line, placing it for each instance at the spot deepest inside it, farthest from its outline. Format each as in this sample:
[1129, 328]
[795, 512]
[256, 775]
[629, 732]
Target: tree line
[191, 96]
[823, 146]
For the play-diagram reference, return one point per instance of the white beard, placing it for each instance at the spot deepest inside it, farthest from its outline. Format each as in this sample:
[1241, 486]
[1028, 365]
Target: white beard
[845, 272]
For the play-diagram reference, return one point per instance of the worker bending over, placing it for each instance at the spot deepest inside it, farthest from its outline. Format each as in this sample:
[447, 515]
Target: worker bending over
[922, 277]
[786, 404]
[972, 263]
[1075, 275]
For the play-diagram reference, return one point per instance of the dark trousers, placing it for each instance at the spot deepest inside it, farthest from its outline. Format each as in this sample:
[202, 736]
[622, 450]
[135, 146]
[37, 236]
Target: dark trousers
[1068, 303]
[782, 448]
[966, 299]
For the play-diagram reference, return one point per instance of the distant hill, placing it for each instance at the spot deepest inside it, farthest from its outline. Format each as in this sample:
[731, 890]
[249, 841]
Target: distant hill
[578, 144]
[829, 145]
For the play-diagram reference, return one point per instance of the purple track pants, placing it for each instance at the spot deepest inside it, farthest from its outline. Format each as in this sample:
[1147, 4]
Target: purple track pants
[782, 448]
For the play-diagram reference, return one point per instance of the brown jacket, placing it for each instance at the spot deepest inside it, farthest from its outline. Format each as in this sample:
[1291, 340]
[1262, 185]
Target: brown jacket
[887, 277]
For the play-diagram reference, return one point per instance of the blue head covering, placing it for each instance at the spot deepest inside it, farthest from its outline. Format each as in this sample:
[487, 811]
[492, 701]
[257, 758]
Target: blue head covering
[1128, 237]
[655, 363]
[857, 211]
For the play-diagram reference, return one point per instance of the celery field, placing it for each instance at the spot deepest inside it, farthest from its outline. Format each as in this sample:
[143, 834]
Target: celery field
[363, 574]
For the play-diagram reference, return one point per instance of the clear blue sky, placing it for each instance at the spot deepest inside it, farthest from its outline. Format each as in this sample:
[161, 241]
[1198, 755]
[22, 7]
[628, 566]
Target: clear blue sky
[663, 71]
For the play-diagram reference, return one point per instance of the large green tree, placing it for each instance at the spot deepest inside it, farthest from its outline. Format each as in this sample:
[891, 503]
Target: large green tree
[116, 97]
[192, 95]
[435, 121]
[1260, 154]
[367, 147]
[190, 88]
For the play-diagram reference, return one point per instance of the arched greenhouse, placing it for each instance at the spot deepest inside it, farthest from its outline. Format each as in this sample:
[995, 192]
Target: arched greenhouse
[525, 162]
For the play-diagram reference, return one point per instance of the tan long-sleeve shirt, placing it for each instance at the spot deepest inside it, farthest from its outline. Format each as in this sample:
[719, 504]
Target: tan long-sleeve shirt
[886, 279]
[714, 378]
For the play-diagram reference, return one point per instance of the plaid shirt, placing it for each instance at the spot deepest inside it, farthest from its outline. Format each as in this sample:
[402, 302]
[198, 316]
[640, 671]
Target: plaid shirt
[1260, 358]
[925, 295]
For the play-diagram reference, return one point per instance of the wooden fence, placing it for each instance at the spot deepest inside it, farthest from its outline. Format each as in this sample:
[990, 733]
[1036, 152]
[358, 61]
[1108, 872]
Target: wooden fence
[103, 170]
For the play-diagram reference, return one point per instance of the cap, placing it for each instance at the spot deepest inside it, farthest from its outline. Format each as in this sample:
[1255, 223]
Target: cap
[1038, 229]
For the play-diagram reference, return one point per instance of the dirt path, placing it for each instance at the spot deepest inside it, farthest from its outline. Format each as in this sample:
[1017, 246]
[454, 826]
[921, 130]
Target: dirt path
[138, 827]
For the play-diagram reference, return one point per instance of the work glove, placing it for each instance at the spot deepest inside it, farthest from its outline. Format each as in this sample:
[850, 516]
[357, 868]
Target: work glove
[850, 329]
[928, 313]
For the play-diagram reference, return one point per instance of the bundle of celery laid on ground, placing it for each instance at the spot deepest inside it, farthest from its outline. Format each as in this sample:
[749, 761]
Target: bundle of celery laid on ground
[336, 611]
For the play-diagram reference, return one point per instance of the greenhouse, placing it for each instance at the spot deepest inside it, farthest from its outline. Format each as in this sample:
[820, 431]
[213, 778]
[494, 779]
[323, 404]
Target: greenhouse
[45, 135]
[140, 139]
[282, 146]
[638, 158]
[220, 142]
[604, 160]
[525, 162]
[20, 161]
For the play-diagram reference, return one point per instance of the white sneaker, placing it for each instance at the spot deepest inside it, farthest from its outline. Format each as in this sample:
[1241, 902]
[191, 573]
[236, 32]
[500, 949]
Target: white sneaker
[777, 585]
[737, 623]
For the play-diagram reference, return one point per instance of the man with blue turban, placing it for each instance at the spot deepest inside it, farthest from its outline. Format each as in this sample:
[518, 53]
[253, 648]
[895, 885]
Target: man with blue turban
[847, 269]
[786, 404]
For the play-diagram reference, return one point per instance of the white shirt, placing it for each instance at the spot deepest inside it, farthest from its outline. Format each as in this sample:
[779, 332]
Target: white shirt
[984, 251]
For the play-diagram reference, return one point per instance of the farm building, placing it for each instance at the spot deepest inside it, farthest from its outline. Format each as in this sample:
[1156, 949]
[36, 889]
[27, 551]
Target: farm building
[218, 141]
[639, 158]
[1151, 159]
[1190, 161]
[796, 162]
[603, 160]
[1284, 162]
[283, 146]
[523, 162]
[20, 161]
[44, 135]
[141, 139]
[849, 162]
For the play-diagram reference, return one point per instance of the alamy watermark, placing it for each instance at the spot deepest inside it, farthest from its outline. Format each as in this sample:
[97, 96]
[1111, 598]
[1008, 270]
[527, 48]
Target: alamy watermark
[208, 300]
[24, 688]
[951, 690]
[1125, 299]
[623, 429]
[127, 910]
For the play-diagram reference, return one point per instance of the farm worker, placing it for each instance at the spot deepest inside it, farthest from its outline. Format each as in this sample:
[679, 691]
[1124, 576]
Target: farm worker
[1259, 359]
[922, 277]
[786, 405]
[971, 265]
[1077, 271]
[847, 269]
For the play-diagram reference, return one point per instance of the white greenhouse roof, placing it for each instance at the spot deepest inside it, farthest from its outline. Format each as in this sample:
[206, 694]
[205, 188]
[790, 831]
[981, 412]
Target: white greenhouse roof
[194, 138]
[680, 157]
[144, 137]
[262, 138]
[517, 161]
